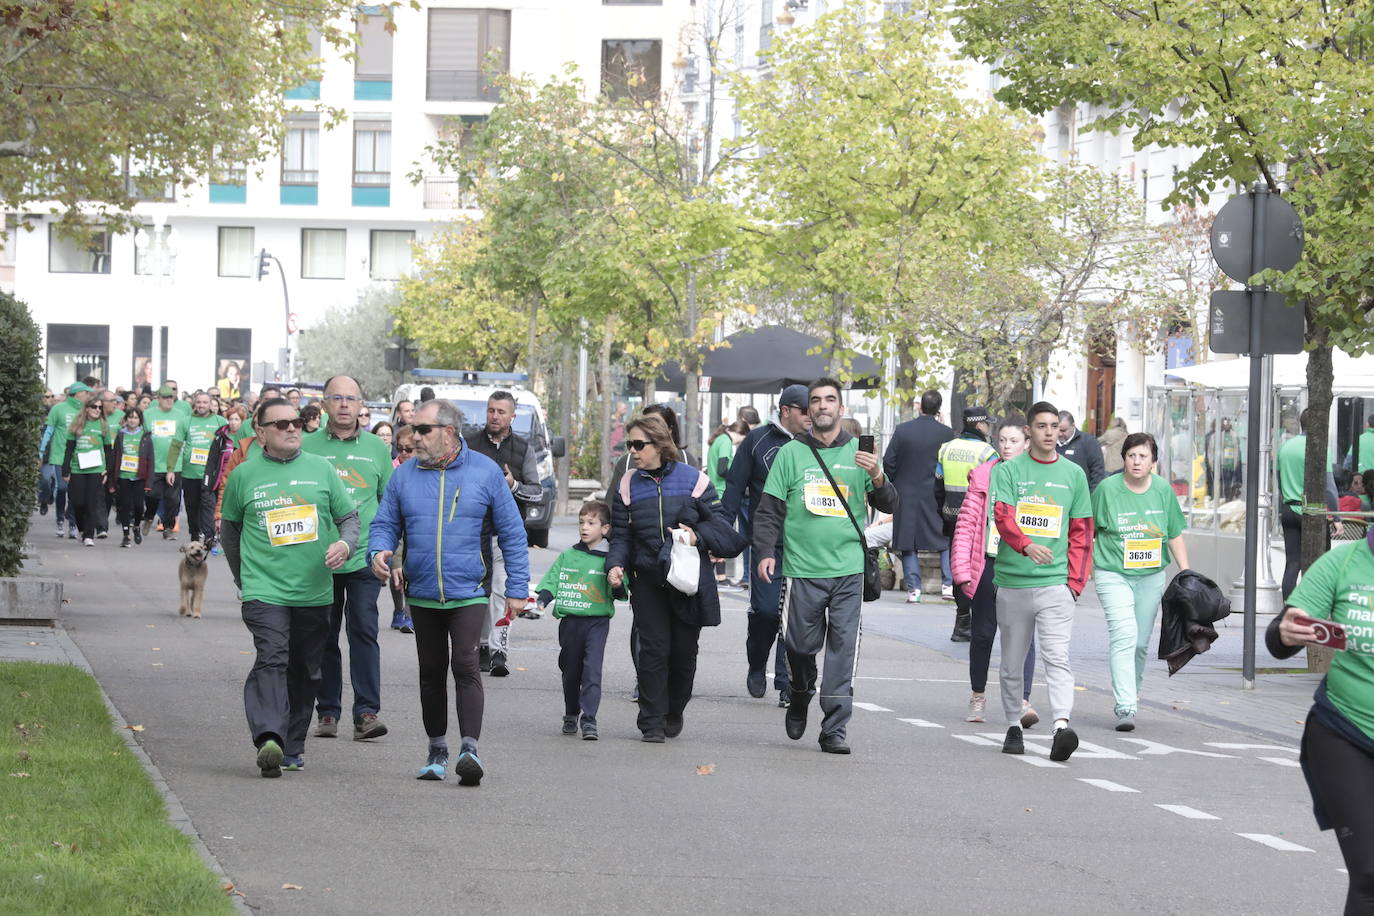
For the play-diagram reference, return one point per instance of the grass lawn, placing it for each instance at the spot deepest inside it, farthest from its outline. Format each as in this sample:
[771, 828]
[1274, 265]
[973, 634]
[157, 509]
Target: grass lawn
[82, 830]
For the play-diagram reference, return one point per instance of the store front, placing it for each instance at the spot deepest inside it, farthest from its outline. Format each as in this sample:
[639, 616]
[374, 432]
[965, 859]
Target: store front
[75, 351]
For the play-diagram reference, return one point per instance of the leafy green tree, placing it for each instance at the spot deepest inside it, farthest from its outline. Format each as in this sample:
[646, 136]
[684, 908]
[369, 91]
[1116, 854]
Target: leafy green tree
[351, 340]
[22, 415]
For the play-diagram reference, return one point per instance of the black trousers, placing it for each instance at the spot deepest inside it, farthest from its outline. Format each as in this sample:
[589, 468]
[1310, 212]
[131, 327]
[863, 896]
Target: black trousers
[279, 694]
[667, 653]
[200, 509]
[130, 500]
[435, 630]
[582, 649]
[1343, 775]
[168, 496]
[84, 494]
[1291, 523]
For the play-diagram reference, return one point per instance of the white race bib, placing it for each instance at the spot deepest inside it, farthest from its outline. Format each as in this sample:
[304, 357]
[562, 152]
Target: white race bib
[129, 464]
[994, 540]
[820, 499]
[1040, 519]
[1143, 553]
[87, 460]
[292, 525]
[164, 428]
[199, 455]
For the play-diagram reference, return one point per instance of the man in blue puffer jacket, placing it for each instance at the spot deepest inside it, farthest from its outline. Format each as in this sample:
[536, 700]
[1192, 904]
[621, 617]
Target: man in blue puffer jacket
[439, 500]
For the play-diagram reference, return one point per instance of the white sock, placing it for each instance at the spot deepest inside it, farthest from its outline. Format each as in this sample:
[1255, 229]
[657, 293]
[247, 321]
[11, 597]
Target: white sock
[1060, 723]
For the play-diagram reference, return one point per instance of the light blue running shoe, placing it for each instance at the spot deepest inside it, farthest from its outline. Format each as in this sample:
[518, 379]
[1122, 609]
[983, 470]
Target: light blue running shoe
[437, 765]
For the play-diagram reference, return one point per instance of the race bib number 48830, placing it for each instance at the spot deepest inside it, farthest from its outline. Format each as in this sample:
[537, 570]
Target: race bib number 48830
[292, 525]
[1040, 519]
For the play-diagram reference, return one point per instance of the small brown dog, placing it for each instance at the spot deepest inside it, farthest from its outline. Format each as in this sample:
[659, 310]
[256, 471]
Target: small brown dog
[191, 578]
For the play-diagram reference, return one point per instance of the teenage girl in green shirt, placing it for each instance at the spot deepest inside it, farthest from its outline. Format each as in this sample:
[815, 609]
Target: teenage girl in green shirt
[84, 466]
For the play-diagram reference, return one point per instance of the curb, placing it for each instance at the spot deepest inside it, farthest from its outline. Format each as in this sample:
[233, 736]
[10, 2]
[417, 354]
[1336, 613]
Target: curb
[175, 812]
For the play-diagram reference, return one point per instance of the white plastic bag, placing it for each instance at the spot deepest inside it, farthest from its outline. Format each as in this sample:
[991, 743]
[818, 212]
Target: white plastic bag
[684, 570]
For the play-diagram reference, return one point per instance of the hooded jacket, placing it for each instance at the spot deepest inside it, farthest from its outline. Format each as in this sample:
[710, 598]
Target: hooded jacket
[749, 470]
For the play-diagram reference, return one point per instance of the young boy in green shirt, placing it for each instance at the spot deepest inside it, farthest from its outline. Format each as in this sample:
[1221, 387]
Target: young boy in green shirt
[583, 603]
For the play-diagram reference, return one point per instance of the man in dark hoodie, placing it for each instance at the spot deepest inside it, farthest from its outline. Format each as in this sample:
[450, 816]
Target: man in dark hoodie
[743, 490]
[823, 559]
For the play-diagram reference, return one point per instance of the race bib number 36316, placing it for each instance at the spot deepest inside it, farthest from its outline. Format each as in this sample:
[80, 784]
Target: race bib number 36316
[1143, 553]
[292, 525]
[820, 499]
[1040, 519]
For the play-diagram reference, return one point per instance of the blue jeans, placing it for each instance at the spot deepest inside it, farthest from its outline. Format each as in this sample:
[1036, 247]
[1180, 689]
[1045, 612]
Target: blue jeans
[47, 484]
[911, 569]
[355, 601]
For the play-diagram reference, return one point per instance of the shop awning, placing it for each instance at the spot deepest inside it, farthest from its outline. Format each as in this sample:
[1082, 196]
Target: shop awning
[1290, 371]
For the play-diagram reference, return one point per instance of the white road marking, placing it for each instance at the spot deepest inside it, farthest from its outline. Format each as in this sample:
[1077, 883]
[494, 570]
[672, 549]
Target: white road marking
[1155, 749]
[1086, 749]
[1250, 747]
[1282, 761]
[1108, 785]
[1039, 762]
[975, 739]
[1274, 842]
[921, 723]
[1190, 813]
[871, 707]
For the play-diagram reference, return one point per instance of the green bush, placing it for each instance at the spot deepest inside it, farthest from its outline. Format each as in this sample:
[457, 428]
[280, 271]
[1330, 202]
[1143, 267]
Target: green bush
[21, 417]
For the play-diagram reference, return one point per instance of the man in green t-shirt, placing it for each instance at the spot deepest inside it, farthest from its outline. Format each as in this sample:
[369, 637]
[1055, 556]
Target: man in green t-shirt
[363, 463]
[168, 428]
[54, 448]
[200, 469]
[823, 558]
[1044, 515]
[288, 522]
[1291, 461]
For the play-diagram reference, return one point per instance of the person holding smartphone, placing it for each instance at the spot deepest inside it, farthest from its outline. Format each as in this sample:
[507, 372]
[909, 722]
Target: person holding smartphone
[1335, 599]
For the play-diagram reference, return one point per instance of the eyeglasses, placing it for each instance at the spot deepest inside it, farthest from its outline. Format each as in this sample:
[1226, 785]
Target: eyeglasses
[424, 429]
[637, 444]
[284, 425]
[343, 398]
[92, 406]
[405, 451]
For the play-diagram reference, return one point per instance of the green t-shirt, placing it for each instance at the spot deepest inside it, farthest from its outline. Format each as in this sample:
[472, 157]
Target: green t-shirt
[128, 456]
[363, 464]
[1366, 451]
[1132, 530]
[182, 407]
[166, 427]
[722, 447]
[60, 417]
[1292, 454]
[200, 435]
[577, 580]
[287, 510]
[1046, 496]
[819, 540]
[245, 430]
[89, 457]
[1340, 587]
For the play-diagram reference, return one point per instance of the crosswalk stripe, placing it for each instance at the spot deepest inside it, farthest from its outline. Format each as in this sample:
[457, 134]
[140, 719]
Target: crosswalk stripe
[1108, 785]
[921, 723]
[871, 707]
[1190, 813]
[1274, 842]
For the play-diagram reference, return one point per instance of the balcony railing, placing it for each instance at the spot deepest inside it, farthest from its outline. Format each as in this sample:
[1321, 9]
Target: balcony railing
[446, 192]
[460, 86]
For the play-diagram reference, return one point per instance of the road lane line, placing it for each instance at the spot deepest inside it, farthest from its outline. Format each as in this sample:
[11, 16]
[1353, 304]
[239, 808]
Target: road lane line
[1155, 749]
[921, 723]
[1283, 762]
[975, 739]
[871, 707]
[1250, 747]
[1108, 785]
[1190, 813]
[1274, 842]
[1038, 761]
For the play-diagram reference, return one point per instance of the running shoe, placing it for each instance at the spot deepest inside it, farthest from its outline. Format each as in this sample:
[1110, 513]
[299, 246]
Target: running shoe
[269, 759]
[499, 666]
[368, 726]
[469, 769]
[328, 727]
[1014, 743]
[977, 706]
[293, 762]
[589, 732]
[1125, 722]
[570, 725]
[913, 596]
[436, 766]
[88, 542]
[1064, 744]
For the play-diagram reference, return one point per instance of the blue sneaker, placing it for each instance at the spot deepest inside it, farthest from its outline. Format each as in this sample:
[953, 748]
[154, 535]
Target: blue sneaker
[293, 762]
[436, 766]
[396, 618]
[469, 769]
[269, 759]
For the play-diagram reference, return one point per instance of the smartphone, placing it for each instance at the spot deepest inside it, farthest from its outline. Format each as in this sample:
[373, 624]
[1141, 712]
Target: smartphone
[1331, 635]
[866, 445]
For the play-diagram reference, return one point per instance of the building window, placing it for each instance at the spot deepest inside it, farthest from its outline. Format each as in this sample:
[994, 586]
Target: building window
[765, 25]
[139, 185]
[630, 68]
[374, 45]
[300, 162]
[461, 43]
[87, 252]
[75, 351]
[371, 153]
[236, 251]
[391, 253]
[322, 254]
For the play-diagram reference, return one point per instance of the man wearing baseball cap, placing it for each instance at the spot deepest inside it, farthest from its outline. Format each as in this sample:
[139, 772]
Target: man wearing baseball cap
[743, 490]
[54, 447]
[956, 460]
[168, 427]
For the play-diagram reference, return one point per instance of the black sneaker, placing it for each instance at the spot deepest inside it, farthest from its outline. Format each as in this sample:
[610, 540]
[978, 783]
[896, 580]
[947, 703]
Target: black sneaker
[484, 658]
[784, 698]
[570, 725]
[125, 542]
[499, 666]
[673, 727]
[138, 534]
[653, 736]
[834, 744]
[42, 508]
[795, 719]
[589, 729]
[1014, 743]
[757, 684]
[1064, 744]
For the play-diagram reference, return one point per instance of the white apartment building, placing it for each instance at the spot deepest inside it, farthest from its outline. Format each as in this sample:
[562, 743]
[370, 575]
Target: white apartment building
[179, 299]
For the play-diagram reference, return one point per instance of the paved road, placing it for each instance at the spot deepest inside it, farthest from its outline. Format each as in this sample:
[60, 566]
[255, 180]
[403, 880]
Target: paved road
[1190, 814]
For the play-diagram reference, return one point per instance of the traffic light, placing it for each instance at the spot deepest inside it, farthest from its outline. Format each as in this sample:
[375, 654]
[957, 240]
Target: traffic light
[261, 261]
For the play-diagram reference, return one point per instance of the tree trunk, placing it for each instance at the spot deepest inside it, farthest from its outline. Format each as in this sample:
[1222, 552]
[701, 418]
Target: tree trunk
[604, 372]
[690, 420]
[1315, 528]
[565, 398]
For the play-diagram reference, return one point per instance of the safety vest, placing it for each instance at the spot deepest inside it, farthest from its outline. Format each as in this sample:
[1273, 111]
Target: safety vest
[958, 458]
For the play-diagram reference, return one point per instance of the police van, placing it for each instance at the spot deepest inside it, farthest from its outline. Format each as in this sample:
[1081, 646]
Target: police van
[469, 391]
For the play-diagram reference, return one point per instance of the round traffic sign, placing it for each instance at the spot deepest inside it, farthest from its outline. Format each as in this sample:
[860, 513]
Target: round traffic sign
[1233, 235]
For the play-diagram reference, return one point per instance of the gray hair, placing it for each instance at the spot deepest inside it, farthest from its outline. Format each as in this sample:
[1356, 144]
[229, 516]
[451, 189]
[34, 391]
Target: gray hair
[446, 413]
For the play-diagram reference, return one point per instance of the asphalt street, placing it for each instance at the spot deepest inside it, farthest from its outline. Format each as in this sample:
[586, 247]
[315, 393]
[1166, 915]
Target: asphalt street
[1200, 810]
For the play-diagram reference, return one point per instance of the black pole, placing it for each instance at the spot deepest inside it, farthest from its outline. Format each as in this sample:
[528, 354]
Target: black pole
[1259, 197]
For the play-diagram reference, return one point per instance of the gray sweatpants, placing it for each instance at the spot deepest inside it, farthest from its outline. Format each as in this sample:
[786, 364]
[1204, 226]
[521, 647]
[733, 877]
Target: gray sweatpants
[498, 638]
[1047, 614]
[824, 613]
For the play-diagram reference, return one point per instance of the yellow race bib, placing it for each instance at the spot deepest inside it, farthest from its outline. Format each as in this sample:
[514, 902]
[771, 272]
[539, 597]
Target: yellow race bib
[1040, 519]
[163, 428]
[129, 464]
[820, 499]
[1143, 553]
[199, 455]
[292, 525]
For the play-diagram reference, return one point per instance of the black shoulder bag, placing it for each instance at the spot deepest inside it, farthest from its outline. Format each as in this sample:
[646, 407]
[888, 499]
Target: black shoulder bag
[873, 589]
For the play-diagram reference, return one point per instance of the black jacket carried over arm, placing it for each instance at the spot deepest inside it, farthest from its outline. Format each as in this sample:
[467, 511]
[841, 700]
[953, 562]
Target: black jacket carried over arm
[1192, 603]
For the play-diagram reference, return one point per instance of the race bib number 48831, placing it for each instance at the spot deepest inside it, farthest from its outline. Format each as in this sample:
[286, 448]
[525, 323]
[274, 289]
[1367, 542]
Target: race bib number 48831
[1040, 519]
[292, 525]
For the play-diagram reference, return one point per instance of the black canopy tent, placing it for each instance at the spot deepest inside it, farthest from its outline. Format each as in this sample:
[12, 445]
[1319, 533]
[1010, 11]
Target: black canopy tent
[764, 361]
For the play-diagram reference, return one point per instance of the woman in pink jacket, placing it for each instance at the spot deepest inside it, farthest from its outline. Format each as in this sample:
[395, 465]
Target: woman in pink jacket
[971, 556]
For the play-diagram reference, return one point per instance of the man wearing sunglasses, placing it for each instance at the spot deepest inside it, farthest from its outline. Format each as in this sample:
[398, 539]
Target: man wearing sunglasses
[439, 501]
[288, 524]
[363, 463]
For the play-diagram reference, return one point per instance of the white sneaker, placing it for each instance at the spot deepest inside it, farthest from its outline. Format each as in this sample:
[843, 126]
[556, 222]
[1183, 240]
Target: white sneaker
[947, 591]
[89, 542]
[977, 705]
[913, 596]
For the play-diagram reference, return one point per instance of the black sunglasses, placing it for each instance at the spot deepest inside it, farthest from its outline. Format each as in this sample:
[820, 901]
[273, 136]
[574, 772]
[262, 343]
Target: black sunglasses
[637, 444]
[284, 425]
[405, 451]
[424, 429]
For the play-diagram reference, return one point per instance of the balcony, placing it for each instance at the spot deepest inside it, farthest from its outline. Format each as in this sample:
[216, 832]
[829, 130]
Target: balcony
[446, 192]
[460, 86]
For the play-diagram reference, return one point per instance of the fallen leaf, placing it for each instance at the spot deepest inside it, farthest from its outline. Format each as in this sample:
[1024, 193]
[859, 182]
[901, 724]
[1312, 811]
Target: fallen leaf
[156, 649]
[1029, 809]
[157, 664]
[24, 694]
[292, 887]
[35, 644]
[153, 626]
[706, 769]
[245, 653]
[134, 728]
[20, 775]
